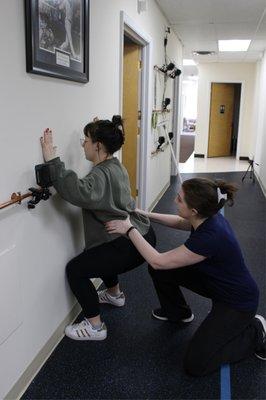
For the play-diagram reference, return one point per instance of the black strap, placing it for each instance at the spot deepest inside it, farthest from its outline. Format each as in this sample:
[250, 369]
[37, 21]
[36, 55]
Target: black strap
[130, 229]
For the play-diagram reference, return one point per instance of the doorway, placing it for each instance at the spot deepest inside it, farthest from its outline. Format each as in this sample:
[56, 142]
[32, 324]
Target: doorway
[224, 119]
[130, 30]
[131, 110]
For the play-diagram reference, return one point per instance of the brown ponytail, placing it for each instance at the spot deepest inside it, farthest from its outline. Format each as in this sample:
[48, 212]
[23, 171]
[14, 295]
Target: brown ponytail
[227, 188]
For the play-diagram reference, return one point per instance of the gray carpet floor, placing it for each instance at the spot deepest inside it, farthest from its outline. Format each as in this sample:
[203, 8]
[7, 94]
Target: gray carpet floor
[141, 357]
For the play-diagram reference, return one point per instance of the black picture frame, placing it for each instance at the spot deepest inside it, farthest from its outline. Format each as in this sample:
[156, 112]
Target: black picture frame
[57, 38]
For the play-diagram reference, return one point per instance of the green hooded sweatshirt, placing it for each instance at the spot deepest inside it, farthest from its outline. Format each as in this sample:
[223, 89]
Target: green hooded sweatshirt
[104, 194]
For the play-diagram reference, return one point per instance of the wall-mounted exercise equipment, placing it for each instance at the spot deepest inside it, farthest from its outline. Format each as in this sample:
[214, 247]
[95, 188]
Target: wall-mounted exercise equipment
[160, 118]
[43, 174]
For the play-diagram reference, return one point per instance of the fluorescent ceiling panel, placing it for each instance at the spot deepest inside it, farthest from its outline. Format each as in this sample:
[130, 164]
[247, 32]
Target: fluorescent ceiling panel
[233, 45]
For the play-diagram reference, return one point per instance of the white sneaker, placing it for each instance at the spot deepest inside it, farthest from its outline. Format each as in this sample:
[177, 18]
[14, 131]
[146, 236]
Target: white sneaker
[85, 331]
[105, 297]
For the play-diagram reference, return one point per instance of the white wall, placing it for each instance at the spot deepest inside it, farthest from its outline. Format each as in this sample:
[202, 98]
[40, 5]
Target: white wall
[259, 143]
[190, 97]
[35, 245]
[226, 72]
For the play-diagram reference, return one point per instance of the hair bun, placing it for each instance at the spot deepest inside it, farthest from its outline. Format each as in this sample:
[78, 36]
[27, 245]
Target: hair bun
[118, 128]
[117, 120]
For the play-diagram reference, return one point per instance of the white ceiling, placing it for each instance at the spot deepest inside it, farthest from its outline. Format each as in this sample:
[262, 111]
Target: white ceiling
[200, 23]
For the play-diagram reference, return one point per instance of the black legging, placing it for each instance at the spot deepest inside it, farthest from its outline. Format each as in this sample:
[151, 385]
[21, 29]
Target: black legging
[226, 335]
[106, 262]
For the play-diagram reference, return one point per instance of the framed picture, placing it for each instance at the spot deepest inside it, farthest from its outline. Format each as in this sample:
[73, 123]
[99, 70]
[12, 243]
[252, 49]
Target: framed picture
[57, 38]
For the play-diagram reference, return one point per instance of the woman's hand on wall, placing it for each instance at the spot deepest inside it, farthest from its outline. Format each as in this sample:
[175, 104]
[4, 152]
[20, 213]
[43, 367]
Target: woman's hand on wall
[118, 226]
[48, 149]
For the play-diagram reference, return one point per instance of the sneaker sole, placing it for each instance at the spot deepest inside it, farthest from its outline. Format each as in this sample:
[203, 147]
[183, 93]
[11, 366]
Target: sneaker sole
[259, 357]
[86, 338]
[188, 319]
[160, 318]
[112, 304]
[262, 320]
[185, 320]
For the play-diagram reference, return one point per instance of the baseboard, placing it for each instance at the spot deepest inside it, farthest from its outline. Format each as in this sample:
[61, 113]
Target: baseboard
[241, 158]
[261, 184]
[158, 198]
[26, 378]
[198, 155]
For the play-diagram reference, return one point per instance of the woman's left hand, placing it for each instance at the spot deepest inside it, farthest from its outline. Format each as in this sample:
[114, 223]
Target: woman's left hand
[48, 149]
[118, 226]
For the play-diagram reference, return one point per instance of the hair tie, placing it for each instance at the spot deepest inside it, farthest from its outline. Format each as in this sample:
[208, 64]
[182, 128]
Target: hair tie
[118, 127]
[221, 195]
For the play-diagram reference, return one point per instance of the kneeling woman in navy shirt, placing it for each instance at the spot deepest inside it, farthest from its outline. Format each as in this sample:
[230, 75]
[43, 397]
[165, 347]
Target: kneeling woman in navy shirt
[211, 264]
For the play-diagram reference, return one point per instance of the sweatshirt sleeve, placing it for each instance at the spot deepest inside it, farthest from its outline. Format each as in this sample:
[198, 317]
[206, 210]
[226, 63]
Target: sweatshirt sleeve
[84, 193]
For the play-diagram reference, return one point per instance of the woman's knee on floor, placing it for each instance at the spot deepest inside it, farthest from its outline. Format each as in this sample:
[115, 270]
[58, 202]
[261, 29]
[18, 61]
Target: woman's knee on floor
[196, 361]
[193, 366]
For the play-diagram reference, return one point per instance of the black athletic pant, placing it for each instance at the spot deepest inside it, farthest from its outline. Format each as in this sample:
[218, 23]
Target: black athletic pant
[106, 262]
[226, 335]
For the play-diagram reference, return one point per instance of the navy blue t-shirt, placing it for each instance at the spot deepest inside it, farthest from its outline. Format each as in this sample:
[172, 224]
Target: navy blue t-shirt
[225, 273]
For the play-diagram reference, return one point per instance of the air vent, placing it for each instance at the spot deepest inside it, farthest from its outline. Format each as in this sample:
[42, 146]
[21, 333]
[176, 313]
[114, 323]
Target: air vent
[203, 53]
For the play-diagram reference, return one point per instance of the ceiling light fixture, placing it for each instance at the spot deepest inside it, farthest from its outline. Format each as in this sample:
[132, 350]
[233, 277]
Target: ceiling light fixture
[233, 45]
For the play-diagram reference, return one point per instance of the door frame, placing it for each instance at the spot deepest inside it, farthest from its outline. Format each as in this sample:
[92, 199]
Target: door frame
[128, 27]
[239, 135]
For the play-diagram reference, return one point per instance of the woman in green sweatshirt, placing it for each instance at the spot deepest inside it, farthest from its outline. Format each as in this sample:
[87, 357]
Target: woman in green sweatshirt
[104, 194]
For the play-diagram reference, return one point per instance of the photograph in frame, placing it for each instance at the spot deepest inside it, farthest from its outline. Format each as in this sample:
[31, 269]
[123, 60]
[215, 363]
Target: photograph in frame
[57, 38]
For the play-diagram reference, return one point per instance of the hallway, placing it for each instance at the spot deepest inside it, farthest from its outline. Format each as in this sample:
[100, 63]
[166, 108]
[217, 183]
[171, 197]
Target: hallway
[47, 82]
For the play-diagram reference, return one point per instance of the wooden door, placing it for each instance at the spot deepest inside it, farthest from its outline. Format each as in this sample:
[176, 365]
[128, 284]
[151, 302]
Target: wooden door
[221, 119]
[130, 111]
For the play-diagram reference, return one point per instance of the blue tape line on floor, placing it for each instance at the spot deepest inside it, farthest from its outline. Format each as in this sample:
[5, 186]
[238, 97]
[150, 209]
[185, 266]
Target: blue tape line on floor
[225, 382]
